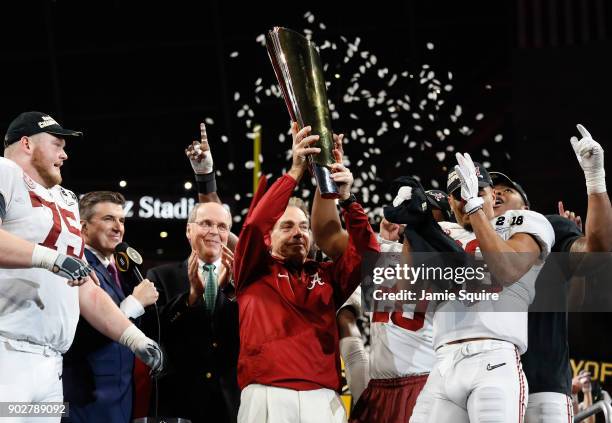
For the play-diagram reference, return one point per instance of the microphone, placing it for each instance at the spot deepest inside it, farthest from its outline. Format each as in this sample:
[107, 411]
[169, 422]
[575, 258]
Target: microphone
[128, 259]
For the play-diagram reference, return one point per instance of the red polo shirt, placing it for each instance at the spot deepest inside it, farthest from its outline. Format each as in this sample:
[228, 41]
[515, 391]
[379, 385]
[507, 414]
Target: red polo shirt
[288, 332]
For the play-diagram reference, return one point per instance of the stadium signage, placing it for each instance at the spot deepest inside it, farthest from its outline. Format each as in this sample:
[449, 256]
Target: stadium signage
[148, 207]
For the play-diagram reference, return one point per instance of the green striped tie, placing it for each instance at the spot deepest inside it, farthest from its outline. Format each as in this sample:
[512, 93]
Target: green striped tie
[210, 290]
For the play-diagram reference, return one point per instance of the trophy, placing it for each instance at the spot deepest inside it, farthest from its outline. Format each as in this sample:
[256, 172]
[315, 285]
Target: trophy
[299, 72]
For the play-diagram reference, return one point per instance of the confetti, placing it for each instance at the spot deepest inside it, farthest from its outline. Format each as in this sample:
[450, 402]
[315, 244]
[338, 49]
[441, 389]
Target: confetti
[384, 123]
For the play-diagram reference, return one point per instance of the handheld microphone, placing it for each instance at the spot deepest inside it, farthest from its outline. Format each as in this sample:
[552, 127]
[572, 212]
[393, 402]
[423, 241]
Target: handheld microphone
[128, 259]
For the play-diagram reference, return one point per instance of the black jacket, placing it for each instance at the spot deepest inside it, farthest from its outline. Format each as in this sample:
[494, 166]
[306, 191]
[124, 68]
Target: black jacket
[201, 351]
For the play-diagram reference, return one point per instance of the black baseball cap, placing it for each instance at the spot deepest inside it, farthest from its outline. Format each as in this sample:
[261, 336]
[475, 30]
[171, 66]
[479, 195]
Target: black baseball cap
[500, 178]
[439, 199]
[32, 123]
[484, 179]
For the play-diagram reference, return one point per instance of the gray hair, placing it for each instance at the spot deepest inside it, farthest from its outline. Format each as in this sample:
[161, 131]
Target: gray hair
[194, 212]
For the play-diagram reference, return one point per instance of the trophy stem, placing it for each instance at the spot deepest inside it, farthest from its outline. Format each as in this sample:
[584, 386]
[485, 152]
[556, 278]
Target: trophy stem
[326, 184]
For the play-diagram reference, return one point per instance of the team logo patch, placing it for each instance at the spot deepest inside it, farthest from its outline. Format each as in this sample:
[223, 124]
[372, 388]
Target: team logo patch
[68, 197]
[437, 195]
[30, 184]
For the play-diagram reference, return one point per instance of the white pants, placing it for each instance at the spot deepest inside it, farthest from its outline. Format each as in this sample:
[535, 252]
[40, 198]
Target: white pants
[477, 381]
[268, 404]
[29, 376]
[549, 407]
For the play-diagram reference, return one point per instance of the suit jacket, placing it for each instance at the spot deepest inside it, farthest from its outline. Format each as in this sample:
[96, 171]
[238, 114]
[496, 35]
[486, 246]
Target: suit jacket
[97, 376]
[201, 351]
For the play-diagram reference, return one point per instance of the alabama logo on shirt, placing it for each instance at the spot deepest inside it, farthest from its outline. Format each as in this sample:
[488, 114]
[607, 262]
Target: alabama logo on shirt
[316, 280]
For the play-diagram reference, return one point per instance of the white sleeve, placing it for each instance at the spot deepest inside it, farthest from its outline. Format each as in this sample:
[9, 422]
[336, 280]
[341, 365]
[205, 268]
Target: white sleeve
[353, 301]
[534, 224]
[9, 172]
[356, 364]
[131, 307]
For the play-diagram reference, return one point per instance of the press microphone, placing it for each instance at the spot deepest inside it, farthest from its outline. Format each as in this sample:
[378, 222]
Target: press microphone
[128, 259]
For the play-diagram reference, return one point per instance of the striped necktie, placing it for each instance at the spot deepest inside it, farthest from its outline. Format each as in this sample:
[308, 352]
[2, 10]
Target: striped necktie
[210, 288]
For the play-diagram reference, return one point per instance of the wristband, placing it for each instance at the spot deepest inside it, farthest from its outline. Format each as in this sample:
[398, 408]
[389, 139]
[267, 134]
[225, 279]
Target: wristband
[595, 182]
[473, 205]
[131, 337]
[345, 203]
[206, 182]
[44, 257]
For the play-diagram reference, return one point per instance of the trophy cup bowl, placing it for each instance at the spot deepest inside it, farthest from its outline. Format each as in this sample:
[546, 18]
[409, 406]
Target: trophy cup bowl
[299, 72]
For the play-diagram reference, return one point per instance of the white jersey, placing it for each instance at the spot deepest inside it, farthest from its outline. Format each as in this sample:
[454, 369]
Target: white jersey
[401, 342]
[36, 305]
[453, 320]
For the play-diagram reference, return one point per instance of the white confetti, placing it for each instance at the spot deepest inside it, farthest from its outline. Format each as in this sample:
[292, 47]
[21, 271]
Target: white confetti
[498, 137]
[233, 54]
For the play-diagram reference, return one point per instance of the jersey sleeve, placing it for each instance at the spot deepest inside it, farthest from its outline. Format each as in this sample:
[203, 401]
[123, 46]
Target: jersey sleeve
[534, 224]
[9, 174]
[353, 302]
[566, 232]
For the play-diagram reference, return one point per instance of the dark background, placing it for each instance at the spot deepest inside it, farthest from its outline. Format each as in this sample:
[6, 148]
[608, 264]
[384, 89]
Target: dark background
[138, 77]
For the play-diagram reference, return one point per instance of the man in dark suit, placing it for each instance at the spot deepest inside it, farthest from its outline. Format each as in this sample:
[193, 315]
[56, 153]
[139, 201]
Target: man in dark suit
[97, 376]
[200, 324]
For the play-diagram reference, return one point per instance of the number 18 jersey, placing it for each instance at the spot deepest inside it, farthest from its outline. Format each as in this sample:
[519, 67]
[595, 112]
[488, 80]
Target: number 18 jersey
[454, 320]
[36, 305]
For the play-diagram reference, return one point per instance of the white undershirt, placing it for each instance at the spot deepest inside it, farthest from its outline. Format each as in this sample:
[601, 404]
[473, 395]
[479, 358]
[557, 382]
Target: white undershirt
[130, 306]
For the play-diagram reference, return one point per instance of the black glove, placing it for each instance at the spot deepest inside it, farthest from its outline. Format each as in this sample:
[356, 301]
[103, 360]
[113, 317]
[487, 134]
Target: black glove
[411, 212]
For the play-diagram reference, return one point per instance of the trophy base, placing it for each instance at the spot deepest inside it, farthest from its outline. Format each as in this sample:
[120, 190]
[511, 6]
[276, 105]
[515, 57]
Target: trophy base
[326, 184]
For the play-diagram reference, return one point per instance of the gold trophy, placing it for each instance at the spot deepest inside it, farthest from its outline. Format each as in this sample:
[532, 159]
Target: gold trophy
[299, 72]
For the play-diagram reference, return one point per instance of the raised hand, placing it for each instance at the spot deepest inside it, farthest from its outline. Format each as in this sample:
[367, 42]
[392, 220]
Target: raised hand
[466, 171]
[343, 179]
[338, 150]
[590, 156]
[196, 285]
[199, 154]
[302, 141]
[227, 264]
[570, 215]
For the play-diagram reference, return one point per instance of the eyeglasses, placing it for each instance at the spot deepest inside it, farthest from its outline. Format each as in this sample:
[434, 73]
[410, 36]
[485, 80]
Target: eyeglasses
[207, 225]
